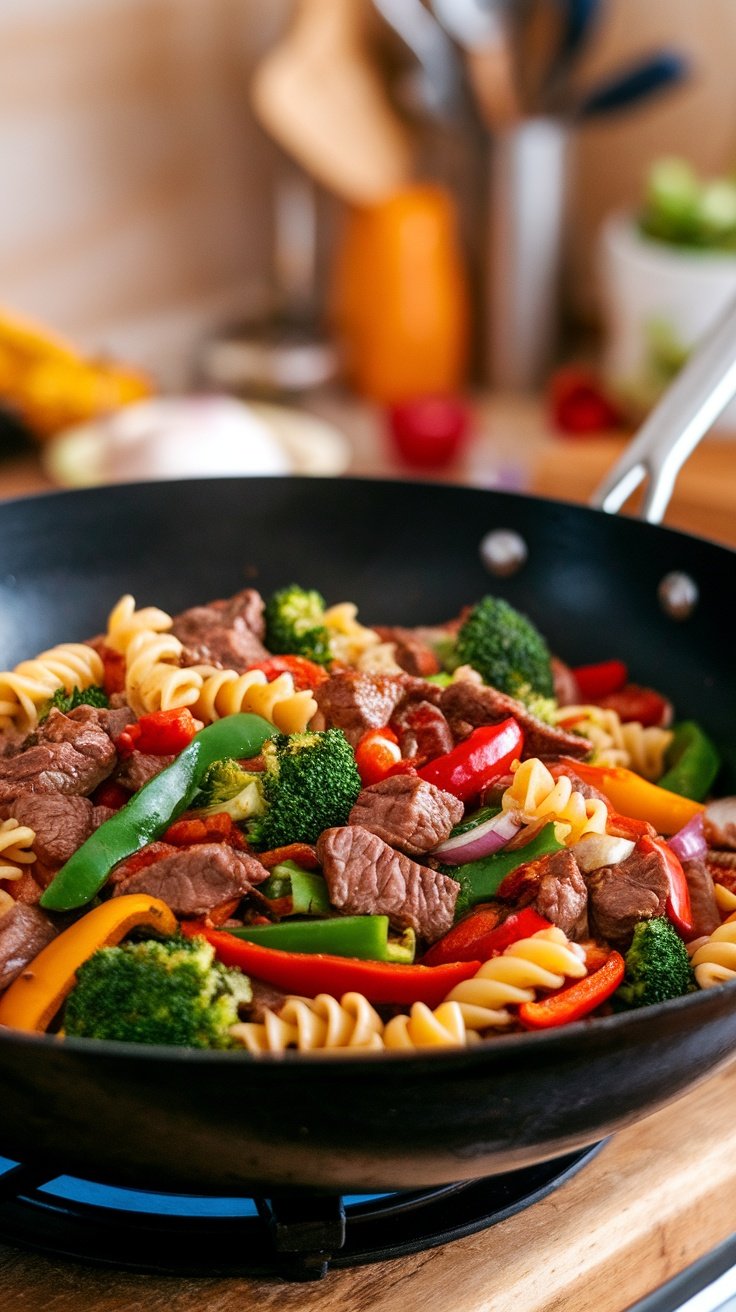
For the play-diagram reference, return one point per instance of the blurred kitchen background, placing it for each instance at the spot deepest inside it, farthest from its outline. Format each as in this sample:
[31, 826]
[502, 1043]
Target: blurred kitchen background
[371, 236]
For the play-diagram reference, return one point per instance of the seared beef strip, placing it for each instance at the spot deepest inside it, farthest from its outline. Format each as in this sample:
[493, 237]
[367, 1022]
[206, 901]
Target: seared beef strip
[227, 633]
[68, 754]
[467, 705]
[24, 931]
[407, 812]
[422, 730]
[196, 879]
[354, 702]
[622, 895]
[554, 886]
[367, 877]
[61, 825]
[411, 652]
[705, 913]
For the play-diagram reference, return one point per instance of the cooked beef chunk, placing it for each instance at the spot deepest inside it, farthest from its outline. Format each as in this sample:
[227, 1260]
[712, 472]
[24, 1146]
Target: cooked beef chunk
[196, 879]
[467, 705]
[367, 877]
[411, 651]
[68, 754]
[622, 895]
[407, 812]
[554, 886]
[61, 825]
[719, 823]
[354, 702]
[422, 730]
[24, 931]
[565, 684]
[228, 633]
[705, 913]
[138, 768]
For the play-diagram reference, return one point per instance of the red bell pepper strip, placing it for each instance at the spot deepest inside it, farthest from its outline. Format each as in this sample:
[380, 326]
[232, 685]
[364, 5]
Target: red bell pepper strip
[375, 754]
[574, 1000]
[480, 758]
[302, 854]
[596, 681]
[111, 795]
[162, 733]
[305, 673]
[479, 935]
[678, 907]
[217, 828]
[308, 974]
[113, 679]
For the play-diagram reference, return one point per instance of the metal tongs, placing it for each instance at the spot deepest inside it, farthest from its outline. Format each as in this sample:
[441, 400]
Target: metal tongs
[675, 426]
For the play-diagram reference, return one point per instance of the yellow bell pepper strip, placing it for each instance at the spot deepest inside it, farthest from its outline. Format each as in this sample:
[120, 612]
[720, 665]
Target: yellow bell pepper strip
[309, 974]
[35, 997]
[692, 762]
[631, 795]
[152, 809]
[574, 1000]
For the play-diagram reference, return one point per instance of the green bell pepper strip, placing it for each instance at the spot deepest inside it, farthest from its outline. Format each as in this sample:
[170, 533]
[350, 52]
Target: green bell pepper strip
[480, 880]
[692, 762]
[306, 889]
[152, 809]
[363, 937]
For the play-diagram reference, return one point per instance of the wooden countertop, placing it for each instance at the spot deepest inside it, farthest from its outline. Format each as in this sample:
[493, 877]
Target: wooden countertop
[657, 1197]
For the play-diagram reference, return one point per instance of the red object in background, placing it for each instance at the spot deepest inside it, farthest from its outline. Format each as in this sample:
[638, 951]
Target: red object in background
[635, 703]
[578, 403]
[599, 680]
[429, 431]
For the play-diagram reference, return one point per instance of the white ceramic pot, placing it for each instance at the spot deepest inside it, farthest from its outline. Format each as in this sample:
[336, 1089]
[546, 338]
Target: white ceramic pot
[657, 301]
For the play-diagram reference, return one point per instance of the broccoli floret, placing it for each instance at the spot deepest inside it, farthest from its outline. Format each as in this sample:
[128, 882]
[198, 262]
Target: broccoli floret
[169, 991]
[310, 783]
[657, 965]
[295, 624]
[226, 786]
[506, 649]
[68, 701]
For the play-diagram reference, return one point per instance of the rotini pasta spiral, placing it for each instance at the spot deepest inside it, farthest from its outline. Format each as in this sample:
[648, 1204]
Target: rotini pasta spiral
[154, 680]
[542, 961]
[725, 899]
[715, 961]
[124, 622]
[224, 692]
[422, 1028]
[351, 643]
[615, 742]
[16, 843]
[24, 690]
[322, 1024]
[535, 795]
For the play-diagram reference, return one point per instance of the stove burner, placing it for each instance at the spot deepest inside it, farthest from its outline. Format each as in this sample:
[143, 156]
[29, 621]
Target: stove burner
[296, 1237]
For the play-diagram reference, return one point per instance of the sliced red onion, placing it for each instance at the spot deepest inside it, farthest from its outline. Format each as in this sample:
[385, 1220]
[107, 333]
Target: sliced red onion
[484, 839]
[689, 841]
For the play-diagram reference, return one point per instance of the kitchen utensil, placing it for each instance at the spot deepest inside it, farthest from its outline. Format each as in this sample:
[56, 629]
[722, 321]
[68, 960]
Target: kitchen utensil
[439, 83]
[596, 585]
[482, 30]
[579, 19]
[320, 97]
[637, 82]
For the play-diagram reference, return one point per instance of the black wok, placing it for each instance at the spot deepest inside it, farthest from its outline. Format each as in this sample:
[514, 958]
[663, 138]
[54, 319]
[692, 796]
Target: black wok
[202, 1121]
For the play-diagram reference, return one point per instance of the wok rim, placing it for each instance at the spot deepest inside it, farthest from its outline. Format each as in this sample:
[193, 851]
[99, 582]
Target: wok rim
[528, 1040]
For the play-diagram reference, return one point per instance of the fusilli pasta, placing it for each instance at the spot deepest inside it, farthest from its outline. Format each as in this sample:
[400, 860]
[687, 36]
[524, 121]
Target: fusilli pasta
[154, 680]
[422, 1028]
[224, 692]
[542, 961]
[715, 961]
[124, 622]
[313, 1025]
[16, 843]
[615, 742]
[26, 689]
[535, 795]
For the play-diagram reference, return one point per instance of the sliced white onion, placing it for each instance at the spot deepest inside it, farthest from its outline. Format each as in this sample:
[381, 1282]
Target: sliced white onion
[689, 842]
[484, 839]
[595, 850]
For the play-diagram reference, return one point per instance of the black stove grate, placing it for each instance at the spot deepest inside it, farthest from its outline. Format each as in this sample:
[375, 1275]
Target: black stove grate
[296, 1237]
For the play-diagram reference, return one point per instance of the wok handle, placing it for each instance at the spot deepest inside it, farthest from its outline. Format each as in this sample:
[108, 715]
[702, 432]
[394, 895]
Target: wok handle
[673, 429]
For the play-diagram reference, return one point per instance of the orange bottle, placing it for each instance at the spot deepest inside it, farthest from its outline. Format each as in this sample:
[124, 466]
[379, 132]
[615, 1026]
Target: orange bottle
[400, 300]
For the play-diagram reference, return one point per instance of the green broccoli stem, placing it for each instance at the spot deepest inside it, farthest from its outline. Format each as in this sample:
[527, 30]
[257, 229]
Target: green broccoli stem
[152, 809]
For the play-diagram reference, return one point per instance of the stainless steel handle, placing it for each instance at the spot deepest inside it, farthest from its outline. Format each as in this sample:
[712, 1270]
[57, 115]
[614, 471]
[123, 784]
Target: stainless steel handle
[689, 407]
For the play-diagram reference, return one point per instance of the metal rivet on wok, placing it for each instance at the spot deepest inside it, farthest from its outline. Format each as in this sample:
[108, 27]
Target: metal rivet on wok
[678, 595]
[503, 552]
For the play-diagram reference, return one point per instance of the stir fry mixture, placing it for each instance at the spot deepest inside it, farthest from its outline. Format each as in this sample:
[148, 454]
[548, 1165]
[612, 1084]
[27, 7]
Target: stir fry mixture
[263, 825]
